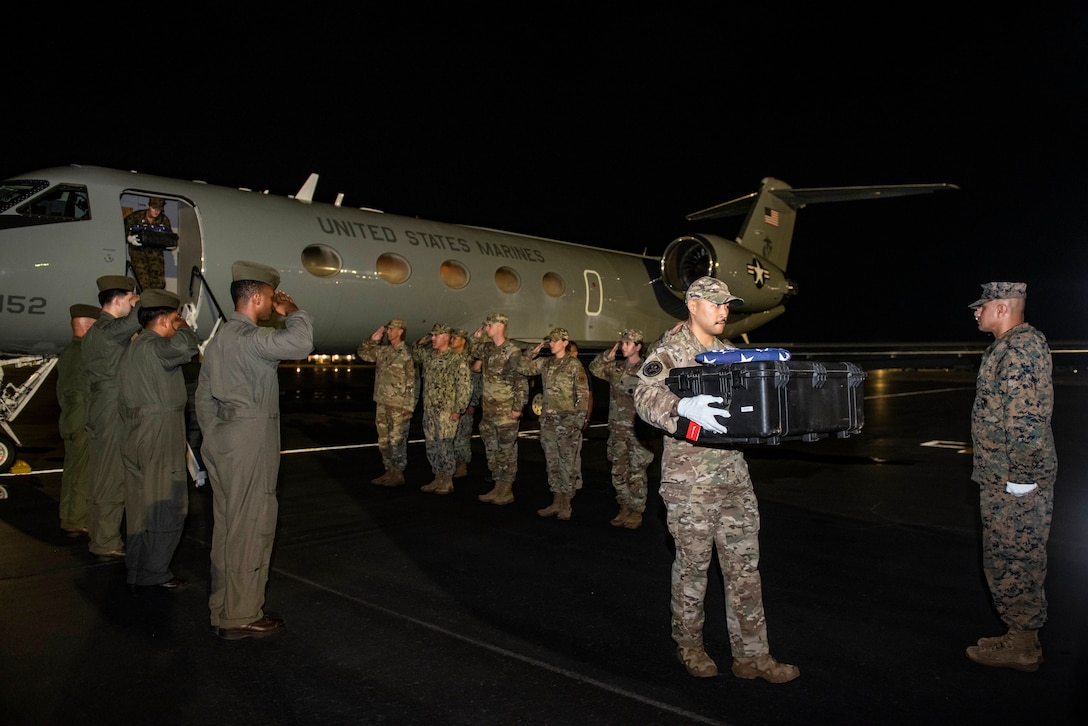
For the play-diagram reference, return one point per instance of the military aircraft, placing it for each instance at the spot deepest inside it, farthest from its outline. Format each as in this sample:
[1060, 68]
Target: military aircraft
[355, 268]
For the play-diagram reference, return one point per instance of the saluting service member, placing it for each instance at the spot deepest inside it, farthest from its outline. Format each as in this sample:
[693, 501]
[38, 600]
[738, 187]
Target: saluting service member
[446, 390]
[396, 389]
[238, 408]
[462, 443]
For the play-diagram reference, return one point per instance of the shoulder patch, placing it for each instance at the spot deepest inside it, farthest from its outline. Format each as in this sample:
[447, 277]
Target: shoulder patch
[652, 369]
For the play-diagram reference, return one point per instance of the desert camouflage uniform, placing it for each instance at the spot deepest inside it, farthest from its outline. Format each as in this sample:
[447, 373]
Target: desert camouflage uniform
[446, 389]
[396, 386]
[1013, 442]
[504, 389]
[710, 503]
[147, 262]
[566, 398]
[462, 443]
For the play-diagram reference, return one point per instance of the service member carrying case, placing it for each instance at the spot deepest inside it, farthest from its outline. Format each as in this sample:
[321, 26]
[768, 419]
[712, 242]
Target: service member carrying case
[770, 401]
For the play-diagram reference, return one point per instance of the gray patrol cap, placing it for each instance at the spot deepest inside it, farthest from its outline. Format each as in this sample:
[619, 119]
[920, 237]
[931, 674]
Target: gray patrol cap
[496, 318]
[440, 328]
[714, 290]
[397, 323]
[1000, 291]
[246, 270]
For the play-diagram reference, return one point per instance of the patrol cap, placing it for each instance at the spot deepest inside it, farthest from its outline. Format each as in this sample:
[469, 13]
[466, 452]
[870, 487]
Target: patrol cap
[714, 290]
[156, 202]
[496, 318]
[459, 333]
[115, 282]
[440, 328]
[79, 310]
[632, 334]
[155, 298]
[246, 270]
[1000, 291]
[397, 323]
[558, 334]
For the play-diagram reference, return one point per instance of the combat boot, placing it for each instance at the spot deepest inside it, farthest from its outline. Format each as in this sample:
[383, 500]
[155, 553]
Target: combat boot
[765, 667]
[552, 509]
[564, 506]
[380, 480]
[1019, 649]
[432, 485]
[504, 493]
[620, 518]
[491, 494]
[696, 661]
[445, 483]
[634, 519]
[395, 478]
[461, 471]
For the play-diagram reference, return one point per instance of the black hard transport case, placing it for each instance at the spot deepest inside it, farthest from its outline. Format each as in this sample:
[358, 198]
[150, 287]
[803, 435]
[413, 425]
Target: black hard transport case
[774, 401]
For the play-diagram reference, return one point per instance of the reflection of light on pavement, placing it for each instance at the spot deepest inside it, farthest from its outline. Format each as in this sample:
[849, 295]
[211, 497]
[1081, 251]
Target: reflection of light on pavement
[960, 447]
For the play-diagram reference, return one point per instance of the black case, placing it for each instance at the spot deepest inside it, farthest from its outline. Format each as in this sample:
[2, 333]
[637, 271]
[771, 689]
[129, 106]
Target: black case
[774, 401]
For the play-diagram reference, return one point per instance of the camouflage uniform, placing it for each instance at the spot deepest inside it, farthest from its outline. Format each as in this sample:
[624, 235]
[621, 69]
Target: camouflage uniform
[396, 385]
[504, 389]
[566, 398]
[462, 443]
[446, 390]
[1013, 442]
[710, 503]
[628, 456]
[147, 263]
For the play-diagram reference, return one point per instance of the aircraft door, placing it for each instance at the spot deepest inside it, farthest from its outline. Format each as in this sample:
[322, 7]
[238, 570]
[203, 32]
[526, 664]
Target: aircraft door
[594, 292]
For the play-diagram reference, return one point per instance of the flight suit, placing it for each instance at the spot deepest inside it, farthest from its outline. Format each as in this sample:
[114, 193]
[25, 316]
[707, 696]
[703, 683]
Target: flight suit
[238, 408]
[72, 426]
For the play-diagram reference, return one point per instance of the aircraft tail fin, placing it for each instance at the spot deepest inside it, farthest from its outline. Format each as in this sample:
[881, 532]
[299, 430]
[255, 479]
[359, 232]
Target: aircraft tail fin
[306, 191]
[772, 211]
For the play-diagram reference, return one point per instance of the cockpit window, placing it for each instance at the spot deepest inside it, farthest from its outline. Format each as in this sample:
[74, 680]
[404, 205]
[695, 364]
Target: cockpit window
[14, 191]
[62, 203]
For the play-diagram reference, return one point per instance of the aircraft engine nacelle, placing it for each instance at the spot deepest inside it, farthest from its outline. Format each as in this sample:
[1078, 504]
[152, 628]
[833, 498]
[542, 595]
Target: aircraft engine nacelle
[749, 275]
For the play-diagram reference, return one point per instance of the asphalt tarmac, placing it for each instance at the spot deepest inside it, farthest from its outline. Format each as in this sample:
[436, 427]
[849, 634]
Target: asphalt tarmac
[410, 608]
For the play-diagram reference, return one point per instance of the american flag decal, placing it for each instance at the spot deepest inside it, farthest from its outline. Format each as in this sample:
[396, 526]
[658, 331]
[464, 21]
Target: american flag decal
[770, 216]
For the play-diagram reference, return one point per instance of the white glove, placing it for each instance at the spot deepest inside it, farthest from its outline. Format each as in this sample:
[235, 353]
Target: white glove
[699, 410]
[134, 240]
[1019, 490]
[188, 312]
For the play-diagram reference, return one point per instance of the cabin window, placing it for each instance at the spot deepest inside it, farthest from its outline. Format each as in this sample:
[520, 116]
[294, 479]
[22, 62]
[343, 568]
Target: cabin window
[394, 269]
[508, 280]
[321, 260]
[454, 274]
[553, 284]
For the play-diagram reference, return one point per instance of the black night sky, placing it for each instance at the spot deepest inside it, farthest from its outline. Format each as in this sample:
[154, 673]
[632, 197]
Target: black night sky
[606, 129]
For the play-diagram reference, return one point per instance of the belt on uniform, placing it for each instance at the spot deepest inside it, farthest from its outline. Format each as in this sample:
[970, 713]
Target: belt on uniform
[228, 413]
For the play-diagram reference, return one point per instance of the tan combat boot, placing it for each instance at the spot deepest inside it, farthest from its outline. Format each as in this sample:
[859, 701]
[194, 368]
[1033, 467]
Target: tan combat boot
[445, 483]
[1017, 649]
[564, 506]
[504, 493]
[395, 478]
[380, 480]
[696, 661]
[432, 485]
[552, 509]
[461, 471]
[765, 667]
[491, 494]
[634, 519]
[620, 518]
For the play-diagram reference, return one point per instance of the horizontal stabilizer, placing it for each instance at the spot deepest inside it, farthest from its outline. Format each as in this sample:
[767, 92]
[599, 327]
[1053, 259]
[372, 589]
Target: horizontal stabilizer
[798, 198]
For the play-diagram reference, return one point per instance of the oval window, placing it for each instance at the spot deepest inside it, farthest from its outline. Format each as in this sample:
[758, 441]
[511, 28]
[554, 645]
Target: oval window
[507, 280]
[394, 269]
[454, 274]
[553, 284]
[321, 260]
